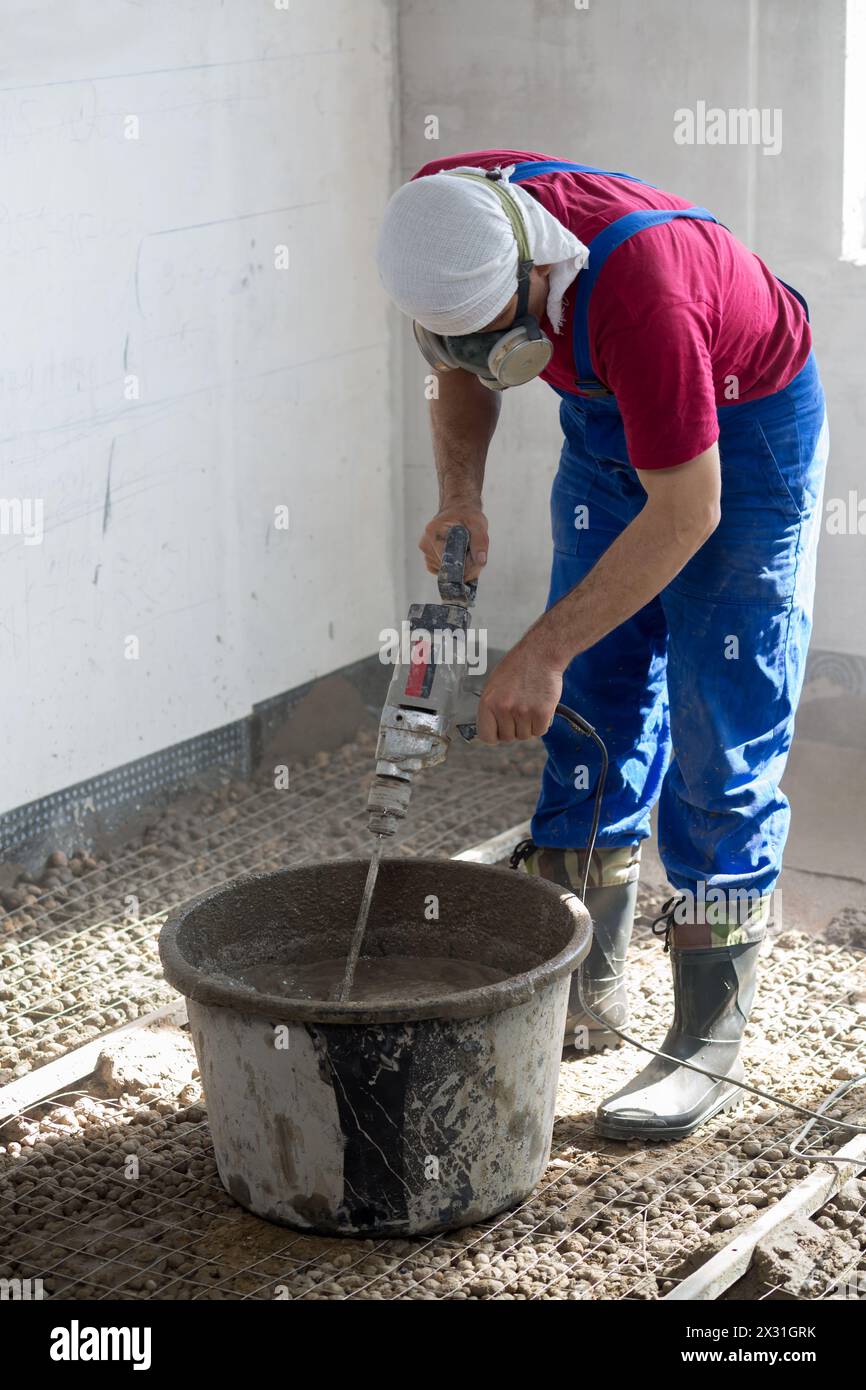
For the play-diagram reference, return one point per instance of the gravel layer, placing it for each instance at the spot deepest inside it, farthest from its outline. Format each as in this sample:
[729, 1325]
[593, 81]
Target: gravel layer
[107, 1195]
[78, 943]
[114, 1193]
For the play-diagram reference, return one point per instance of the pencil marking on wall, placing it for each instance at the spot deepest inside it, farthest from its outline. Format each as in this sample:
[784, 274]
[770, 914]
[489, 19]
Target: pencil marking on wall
[106, 508]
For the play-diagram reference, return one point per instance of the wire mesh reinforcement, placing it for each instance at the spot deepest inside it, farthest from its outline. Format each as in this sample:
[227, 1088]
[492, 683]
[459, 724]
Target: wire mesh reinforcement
[119, 1197]
[608, 1221]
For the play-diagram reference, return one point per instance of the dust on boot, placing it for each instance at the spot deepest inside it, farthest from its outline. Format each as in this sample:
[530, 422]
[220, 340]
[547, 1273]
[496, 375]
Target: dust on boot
[714, 968]
[610, 899]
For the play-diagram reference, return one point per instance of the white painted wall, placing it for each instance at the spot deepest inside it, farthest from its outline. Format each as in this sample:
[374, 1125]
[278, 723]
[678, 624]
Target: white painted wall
[600, 85]
[155, 257]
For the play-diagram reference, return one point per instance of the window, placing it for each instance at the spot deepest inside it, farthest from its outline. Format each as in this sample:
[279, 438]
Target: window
[854, 165]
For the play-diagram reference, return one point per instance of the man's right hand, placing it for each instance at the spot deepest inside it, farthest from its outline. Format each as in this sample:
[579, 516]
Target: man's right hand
[432, 542]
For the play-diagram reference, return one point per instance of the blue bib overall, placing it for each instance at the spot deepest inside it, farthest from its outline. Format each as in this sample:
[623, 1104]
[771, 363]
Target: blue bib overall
[695, 695]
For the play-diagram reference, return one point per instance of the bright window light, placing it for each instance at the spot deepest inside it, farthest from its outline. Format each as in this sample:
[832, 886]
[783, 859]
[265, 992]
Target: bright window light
[854, 167]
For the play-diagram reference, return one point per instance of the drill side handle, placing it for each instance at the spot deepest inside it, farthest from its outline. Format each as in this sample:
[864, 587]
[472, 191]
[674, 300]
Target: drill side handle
[469, 731]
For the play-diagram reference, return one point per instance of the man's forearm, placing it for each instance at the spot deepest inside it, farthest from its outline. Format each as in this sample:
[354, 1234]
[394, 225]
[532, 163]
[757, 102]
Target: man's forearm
[682, 510]
[462, 421]
[642, 560]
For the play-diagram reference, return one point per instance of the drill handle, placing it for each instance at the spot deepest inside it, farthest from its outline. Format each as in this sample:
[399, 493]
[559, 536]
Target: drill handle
[454, 587]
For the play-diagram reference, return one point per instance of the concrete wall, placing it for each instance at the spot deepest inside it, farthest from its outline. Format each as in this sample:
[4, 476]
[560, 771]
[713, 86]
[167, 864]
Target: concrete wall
[164, 386]
[600, 85]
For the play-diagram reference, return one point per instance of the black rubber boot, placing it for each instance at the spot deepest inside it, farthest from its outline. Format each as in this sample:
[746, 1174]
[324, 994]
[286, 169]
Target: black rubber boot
[600, 982]
[713, 991]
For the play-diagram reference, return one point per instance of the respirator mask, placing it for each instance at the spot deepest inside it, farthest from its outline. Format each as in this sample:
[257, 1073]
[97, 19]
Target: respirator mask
[507, 356]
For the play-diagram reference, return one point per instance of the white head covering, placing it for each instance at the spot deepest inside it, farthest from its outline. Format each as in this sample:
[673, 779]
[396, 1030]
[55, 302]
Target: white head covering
[447, 255]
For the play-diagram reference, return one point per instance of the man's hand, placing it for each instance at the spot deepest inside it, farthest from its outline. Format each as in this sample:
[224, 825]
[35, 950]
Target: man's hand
[520, 696]
[468, 511]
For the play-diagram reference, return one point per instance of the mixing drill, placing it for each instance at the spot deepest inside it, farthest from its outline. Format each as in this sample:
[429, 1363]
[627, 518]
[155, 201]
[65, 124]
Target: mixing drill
[424, 700]
[426, 691]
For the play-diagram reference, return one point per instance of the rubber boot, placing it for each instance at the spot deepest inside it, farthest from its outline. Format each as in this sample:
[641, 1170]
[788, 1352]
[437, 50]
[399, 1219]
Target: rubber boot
[713, 991]
[611, 903]
[600, 982]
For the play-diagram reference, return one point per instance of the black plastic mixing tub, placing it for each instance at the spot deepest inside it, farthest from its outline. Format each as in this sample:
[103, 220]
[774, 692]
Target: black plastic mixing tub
[393, 1118]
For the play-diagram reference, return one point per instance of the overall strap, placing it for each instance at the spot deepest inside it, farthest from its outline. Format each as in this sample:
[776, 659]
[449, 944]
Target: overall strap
[532, 168]
[601, 246]
[796, 293]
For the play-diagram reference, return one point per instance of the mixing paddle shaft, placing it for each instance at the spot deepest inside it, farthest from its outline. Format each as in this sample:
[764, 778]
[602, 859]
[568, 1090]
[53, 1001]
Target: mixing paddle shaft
[361, 924]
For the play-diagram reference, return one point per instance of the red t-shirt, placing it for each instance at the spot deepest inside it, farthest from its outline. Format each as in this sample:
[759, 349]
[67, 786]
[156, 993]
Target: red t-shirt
[676, 312]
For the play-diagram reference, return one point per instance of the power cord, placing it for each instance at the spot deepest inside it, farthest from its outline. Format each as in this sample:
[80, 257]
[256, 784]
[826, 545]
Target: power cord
[585, 729]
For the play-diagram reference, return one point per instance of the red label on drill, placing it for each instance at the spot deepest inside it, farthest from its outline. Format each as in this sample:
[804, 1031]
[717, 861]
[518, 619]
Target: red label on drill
[420, 678]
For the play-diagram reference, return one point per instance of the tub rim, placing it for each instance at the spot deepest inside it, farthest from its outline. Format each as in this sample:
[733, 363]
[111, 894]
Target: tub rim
[194, 983]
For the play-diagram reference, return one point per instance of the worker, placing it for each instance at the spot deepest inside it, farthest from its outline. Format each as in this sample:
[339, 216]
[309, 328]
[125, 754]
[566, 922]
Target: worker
[685, 513]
